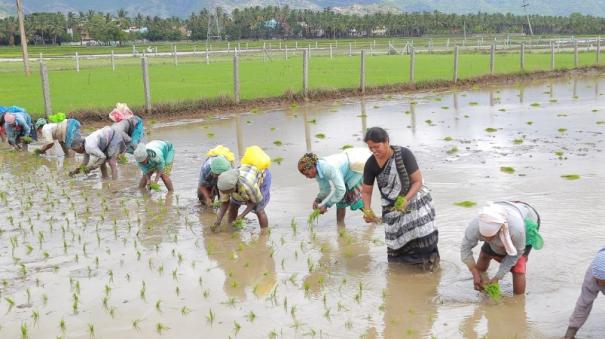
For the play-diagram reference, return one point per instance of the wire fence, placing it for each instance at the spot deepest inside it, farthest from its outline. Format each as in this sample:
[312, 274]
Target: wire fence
[242, 71]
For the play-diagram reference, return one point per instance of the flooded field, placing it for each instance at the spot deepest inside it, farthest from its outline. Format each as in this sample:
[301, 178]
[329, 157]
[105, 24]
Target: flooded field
[83, 257]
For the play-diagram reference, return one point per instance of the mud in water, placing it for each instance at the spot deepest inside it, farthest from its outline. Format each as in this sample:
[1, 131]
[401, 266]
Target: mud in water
[113, 262]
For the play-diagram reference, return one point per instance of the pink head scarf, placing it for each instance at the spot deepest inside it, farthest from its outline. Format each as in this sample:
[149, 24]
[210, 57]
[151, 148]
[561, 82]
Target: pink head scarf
[120, 113]
[492, 221]
[9, 118]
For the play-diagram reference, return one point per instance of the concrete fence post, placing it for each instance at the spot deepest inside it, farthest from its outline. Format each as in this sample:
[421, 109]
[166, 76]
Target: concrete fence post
[146, 87]
[77, 62]
[575, 54]
[362, 72]
[207, 57]
[350, 49]
[305, 72]
[552, 56]
[113, 61]
[330, 51]
[236, 77]
[45, 89]
[286, 51]
[176, 60]
[492, 60]
[455, 78]
[412, 63]
[598, 49]
[522, 57]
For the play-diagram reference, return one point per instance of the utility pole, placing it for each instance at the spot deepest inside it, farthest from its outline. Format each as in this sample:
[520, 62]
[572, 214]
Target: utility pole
[525, 4]
[23, 37]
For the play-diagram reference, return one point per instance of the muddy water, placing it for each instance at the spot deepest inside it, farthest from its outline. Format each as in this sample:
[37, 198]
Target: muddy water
[111, 261]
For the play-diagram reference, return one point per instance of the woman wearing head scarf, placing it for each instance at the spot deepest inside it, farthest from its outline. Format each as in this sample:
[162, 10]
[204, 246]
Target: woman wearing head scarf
[155, 158]
[104, 145]
[502, 228]
[594, 282]
[244, 185]
[339, 177]
[65, 132]
[128, 124]
[407, 208]
[19, 128]
[212, 167]
[2, 130]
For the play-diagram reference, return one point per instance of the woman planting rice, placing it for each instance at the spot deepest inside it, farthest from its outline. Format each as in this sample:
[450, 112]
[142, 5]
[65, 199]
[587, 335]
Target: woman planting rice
[19, 128]
[220, 159]
[130, 126]
[339, 177]
[65, 132]
[104, 145]
[410, 231]
[155, 158]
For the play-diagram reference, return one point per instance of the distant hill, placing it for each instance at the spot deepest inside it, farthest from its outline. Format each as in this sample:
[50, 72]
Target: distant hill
[183, 8]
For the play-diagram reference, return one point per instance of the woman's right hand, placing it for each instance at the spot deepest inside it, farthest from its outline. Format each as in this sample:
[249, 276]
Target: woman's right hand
[315, 204]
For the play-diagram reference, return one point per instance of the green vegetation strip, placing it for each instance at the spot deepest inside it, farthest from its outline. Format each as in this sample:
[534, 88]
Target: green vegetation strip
[96, 86]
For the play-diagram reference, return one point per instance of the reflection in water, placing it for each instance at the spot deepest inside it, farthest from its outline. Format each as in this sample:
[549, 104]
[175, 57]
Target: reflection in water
[246, 264]
[364, 116]
[596, 89]
[455, 95]
[504, 320]
[521, 94]
[406, 313]
[307, 130]
[575, 88]
[239, 135]
[157, 219]
[413, 117]
[492, 97]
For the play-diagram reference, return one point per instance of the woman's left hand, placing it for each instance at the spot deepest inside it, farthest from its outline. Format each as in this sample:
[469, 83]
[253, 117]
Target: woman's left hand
[323, 210]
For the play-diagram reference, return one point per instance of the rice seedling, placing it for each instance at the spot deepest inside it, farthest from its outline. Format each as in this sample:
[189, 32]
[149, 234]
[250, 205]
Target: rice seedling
[473, 103]
[136, 324]
[570, 176]
[465, 203]
[161, 328]
[91, 329]
[62, 325]
[562, 130]
[158, 306]
[313, 217]
[278, 143]
[238, 224]
[185, 310]
[400, 204]
[154, 186]
[535, 104]
[429, 122]
[448, 138]
[491, 130]
[346, 146]
[452, 150]
[518, 141]
[122, 159]
[320, 136]
[507, 169]
[559, 154]
[210, 317]
[493, 291]
[277, 160]
[24, 331]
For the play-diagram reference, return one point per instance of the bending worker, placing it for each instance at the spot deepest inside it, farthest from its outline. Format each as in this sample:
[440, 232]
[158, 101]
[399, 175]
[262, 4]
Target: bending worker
[502, 228]
[594, 282]
[339, 177]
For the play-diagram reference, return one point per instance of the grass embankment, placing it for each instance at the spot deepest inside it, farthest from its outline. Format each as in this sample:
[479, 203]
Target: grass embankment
[96, 86]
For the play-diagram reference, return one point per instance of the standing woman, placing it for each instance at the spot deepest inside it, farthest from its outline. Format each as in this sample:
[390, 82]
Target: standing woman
[410, 232]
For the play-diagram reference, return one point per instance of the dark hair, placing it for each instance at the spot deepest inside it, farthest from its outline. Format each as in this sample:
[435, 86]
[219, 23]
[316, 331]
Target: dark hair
[376, 134]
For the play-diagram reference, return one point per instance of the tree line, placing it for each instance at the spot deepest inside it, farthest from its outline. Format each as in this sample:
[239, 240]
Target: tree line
[279, 22]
